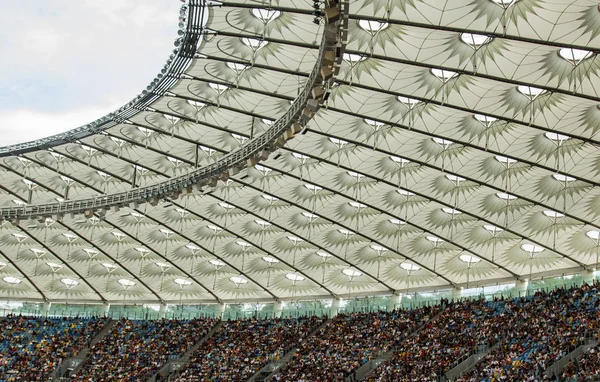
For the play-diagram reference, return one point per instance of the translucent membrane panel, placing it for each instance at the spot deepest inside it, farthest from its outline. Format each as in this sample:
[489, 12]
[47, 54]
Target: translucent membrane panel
[443, 75]
[243, 244]
[338, 142]
[442, 142]
[357, 205]
[455, 178]
[216, 263]
[556, 137]
[126, 282]
[324, 254]
[574, 55]
[504, 3]
[408, 101]
[69, 282]
[182, 282]
[374, 124]
[254, 44]
[353, 58]
[469, 259]
[451, 211]
[265, 15]
[378, 248]
[505, 160]
[492, 228]
[351, 272]
[192, 247]
[435, 239]
[409, 267]
[486, 120]
[563, 178]
[505, 196]
[11, 280]
[405, 192]
[372, 26]
[294, 239]
[532, 248]
[270, 260]
[238, 280]
[294, 277]
[396, 221]
[109, 266]
[345, 232]
[262, 223]
[553, 214]
[475, 40]
[313, 187]
[594, 235]
[530, 91]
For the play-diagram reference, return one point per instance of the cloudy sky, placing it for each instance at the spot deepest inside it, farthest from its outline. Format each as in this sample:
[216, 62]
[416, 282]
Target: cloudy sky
[66, 63]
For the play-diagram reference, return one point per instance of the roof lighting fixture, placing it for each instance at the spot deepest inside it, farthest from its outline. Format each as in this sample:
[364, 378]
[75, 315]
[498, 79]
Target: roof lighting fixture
[485, 119]
[395, 221]
[216, 262]
[262, 223]
[243, 244]
[435, 239]
[492, 228]
[455, 178]
[313, 187]
[324, 254]
[505, 160]
[352, 273]
[404, 192]
[226, 206]
[553, 214]
[442, 142]
[410, 102]
[594, 235]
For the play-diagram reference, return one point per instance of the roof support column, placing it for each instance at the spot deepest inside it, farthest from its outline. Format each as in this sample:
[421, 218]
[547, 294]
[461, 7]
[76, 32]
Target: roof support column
[588, 276]
[220, 310]
[277, 309]
[162, 311]
[105, 309]
[395, 301]
[46, 308]
[335, 306]
[455, 294]
[521, 287]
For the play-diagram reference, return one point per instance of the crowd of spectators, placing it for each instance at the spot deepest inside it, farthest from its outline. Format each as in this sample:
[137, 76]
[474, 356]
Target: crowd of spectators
[239, 349]
[134, 350]
[348, 341]
[32, 348]
[586, 368]
[541, 330]
[454, 334]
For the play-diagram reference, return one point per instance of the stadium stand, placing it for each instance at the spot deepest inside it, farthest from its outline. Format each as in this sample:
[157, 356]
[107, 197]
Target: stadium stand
[32, 348]
[240, 348]
[134, 350]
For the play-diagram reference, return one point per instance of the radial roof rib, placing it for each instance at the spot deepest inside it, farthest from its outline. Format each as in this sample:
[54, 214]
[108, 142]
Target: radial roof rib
[458, 147]
[22, 274]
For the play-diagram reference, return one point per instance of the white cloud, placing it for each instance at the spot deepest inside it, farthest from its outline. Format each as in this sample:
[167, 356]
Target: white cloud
[25, 125]
[66, 63]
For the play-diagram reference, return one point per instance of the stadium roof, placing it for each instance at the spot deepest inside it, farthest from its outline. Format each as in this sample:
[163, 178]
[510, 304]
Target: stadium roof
[456, 145]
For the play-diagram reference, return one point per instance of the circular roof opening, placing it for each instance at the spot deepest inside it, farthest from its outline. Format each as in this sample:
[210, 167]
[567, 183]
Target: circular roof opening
[351, 272]
[126, 282]
[254, 44]
[574, 56]
[469, 259]
[372, 25]
[238, 280]
[409, 267]
[530, 91]
[475, 40]
[265, 15]
[11, 280]
[69, 282]
[182, 282]
[294, 277]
